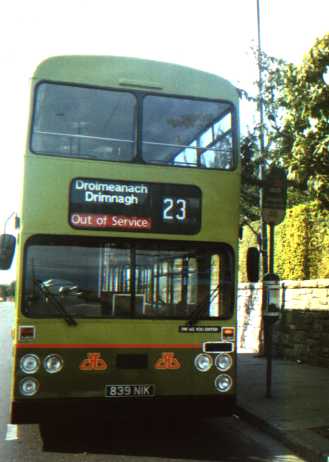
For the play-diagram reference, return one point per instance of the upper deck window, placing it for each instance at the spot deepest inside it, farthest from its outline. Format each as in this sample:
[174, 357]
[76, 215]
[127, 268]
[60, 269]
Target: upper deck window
[84, 122]
[100, 124]
[187, 132]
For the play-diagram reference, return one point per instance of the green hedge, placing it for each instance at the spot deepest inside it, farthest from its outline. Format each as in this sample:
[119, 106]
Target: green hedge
[301, 244]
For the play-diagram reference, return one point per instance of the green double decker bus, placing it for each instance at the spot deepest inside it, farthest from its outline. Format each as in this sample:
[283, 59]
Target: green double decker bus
[127, 249]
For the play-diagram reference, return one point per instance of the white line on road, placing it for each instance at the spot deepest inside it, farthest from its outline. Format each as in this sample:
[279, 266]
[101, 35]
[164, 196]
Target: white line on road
[11, 432]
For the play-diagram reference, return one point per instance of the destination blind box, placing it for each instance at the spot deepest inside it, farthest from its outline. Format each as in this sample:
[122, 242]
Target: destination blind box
[134, 206]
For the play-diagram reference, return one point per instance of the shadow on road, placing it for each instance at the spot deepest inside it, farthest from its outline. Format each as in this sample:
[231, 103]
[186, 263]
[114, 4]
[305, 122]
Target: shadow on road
[171, 439]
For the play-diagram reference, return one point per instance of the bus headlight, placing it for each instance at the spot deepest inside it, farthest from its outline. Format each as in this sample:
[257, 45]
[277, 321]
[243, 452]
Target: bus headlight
[223, 362]
[203, 362]
[29, 386]
[223, 383]
[53, 363]
[29, 364]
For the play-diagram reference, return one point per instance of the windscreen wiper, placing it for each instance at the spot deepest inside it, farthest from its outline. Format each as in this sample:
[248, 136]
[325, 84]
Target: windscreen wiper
[202, 307]
[57, 304]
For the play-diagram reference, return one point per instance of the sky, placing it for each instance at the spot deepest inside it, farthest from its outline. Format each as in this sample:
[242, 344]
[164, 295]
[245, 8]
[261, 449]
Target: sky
[212, 35]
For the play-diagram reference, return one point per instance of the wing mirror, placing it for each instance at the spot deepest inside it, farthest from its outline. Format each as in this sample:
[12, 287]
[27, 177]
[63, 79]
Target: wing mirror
[253, 264]
[7, 250]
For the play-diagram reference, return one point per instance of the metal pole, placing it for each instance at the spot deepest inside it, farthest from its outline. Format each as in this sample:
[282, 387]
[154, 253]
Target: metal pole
[263, 228]
[271, 250]
[261, 144]
[269, 340]
[269, 323]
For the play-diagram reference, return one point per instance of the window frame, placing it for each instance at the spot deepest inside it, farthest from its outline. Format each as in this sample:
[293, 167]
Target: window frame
[133, 246]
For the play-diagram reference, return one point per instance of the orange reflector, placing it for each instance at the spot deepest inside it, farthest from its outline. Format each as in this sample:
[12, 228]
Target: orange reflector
[228, 332]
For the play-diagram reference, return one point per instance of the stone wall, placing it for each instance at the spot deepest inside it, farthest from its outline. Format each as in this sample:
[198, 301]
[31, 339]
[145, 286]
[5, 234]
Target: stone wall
[302, 333]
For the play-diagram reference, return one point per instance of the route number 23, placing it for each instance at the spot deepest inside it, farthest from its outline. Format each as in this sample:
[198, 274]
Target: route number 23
[174, 209]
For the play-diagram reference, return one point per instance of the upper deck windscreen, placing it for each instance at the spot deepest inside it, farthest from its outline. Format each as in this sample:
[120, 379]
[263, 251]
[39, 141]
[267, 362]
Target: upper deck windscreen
[187, 132]
[101, 124]
[84, 122]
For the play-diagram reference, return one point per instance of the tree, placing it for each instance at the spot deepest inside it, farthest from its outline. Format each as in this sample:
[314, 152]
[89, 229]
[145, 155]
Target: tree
[296, 128]
[304, 138]
[3, 291]
[250, 182]
[273, 71]
[11, 289]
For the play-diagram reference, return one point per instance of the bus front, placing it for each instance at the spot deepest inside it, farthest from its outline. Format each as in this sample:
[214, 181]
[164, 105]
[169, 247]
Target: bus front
[126, 288]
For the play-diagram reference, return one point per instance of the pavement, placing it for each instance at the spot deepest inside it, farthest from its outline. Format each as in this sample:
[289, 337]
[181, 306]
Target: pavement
[297, 413]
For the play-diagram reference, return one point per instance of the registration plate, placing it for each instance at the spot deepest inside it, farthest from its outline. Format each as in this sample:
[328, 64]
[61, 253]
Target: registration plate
[123, 391]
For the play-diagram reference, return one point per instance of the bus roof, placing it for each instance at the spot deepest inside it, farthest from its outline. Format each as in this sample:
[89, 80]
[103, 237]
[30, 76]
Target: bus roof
[129, 73]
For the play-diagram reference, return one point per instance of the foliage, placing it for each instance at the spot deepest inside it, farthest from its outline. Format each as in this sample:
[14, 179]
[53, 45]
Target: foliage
[7, 290]
[3, 291]
[301, 244]
[318, 242]
[304, 138]
[295, 129]
[257, 146]
[291, 239]
[250, 185]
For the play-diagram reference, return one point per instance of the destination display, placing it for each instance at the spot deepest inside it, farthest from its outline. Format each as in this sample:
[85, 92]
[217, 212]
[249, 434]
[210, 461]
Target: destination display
[134, 206]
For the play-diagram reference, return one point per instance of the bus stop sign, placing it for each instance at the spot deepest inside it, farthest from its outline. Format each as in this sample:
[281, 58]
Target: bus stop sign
[274, 196]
